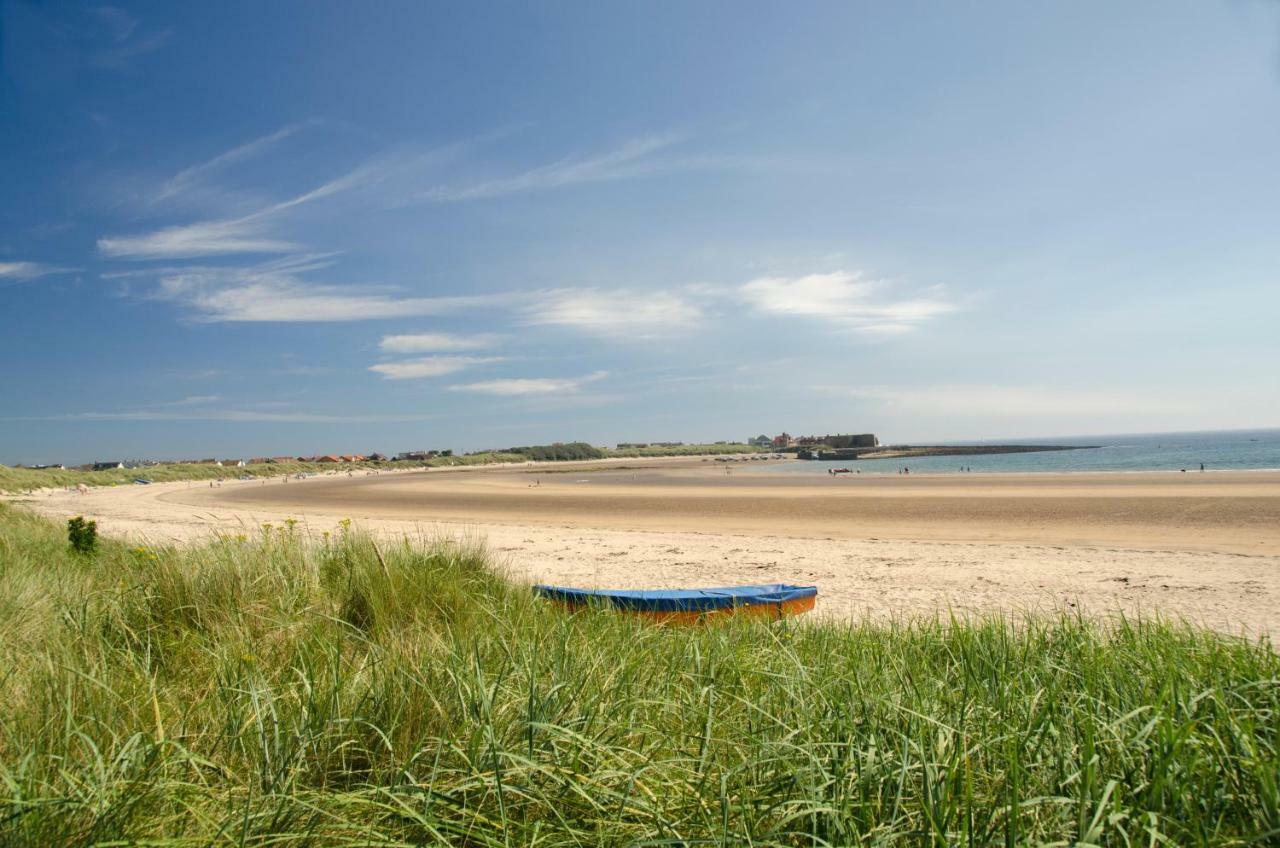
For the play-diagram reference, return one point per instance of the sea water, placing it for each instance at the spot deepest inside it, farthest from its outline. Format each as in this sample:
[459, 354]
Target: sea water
[1223, 450]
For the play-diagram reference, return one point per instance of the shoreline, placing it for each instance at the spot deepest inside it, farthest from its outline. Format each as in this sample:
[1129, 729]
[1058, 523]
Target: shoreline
[990, 544]
[692, 461]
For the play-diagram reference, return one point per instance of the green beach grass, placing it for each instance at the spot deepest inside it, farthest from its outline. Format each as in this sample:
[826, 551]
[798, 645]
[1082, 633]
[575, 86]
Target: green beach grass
[24, 479]
[13, 479]
[274, 690]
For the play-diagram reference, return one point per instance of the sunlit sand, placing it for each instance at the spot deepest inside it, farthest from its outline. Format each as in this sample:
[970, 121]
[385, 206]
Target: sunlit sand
[1201, 546]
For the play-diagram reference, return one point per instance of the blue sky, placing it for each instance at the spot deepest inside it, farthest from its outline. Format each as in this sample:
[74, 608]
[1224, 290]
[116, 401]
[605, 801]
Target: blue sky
[249, 228]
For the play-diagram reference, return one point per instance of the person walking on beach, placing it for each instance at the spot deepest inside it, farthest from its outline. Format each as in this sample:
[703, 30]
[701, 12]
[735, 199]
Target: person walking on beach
[1202, 466]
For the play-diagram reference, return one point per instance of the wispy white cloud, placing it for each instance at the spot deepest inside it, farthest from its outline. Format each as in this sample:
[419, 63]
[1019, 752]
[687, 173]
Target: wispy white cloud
[430, 366]
[368, 173]
[121, 38]
[21, 272]
[206, 238]
[618, 313]
[631, 160]
[115, 22]
[221, 294]
[517, 387]
[436, 342]
[186, 178]
[847, 298]
[193, 400]
[1012, 401]
[195, 374]
[871, 307]
[246, 234]
[278, 290]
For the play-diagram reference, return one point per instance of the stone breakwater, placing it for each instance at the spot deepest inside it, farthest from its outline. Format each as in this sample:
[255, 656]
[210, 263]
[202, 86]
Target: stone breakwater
[899, 451]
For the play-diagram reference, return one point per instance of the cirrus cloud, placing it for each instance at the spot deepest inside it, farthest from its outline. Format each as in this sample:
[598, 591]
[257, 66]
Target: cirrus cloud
[847, 298]
[205, 238]
[1059, 402]
[436, 342]
[430, 366]
[517, 387]
[618, 313]
[277, 291]
[630, 160]
[21, 272]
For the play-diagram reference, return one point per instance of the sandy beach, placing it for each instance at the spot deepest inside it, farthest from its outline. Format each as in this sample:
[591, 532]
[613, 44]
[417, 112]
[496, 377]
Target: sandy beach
[1205, 547]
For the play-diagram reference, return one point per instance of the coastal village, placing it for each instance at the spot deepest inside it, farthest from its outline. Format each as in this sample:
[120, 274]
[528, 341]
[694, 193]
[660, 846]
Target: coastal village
[827, 448]
[838, 446]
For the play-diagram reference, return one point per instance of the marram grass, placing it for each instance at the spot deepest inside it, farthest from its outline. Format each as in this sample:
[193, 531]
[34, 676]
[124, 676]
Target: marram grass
[274, 691]
[18, 480]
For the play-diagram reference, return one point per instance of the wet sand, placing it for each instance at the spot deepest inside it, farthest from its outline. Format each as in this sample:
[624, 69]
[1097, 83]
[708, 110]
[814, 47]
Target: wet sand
[1201, 546]
[1230, 513]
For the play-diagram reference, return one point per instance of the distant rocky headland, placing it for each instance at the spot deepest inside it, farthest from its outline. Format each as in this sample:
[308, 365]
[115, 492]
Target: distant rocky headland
[900, 451]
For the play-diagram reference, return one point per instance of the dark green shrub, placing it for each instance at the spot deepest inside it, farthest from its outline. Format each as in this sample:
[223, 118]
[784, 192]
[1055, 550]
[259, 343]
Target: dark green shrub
[559, 452]
[83, 535]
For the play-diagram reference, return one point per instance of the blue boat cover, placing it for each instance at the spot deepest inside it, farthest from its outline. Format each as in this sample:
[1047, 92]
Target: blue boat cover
[680, 600]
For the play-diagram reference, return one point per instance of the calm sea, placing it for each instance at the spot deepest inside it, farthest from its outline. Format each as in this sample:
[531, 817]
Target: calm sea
[1226, 450]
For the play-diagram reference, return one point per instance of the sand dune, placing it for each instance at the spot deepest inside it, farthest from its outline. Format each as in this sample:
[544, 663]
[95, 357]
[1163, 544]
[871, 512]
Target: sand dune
[1201, 546]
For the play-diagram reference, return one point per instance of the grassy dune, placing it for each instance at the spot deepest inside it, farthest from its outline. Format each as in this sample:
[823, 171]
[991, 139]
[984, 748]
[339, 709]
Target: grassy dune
[684, 450]
[277, 691]
[23, 479]
[26, 479]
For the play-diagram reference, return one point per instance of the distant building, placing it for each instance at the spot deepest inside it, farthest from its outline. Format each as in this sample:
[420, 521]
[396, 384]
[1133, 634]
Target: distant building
[107, 466]
[860, 440]
[279, 459]
[232, 463]
[782, 440]
[377, 457]
[327, 458]
[843, 440]
[56, 466]
[761, 441]
[417, 456]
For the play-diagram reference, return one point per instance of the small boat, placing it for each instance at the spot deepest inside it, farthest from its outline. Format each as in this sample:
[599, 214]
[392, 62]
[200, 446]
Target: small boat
[773, 600]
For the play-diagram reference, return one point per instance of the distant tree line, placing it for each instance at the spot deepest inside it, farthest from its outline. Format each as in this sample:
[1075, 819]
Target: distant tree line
[559, 452]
